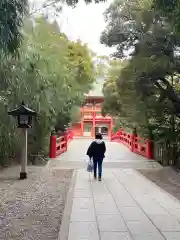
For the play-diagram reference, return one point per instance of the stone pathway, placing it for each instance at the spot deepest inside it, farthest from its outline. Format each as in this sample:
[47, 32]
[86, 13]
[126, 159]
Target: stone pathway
[124, 206]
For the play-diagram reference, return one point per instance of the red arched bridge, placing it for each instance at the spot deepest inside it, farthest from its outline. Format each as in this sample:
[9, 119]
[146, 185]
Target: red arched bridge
[123, 150]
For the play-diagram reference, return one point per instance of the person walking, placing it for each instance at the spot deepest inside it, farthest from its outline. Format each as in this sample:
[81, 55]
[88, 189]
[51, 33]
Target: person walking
[96, 151]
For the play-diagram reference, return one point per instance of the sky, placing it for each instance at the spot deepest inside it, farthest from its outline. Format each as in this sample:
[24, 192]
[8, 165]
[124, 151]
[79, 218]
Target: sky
[85, 22]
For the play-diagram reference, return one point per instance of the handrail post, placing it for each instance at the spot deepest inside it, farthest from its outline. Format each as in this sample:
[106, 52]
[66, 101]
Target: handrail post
[149, 149]
[134, 135]
[53, 139]
[66, 139]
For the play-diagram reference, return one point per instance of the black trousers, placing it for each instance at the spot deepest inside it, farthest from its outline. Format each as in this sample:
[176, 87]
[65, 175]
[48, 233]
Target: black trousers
[97, 162]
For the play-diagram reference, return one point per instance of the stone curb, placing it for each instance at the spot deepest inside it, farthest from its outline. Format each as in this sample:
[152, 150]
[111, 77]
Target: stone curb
[64, 228]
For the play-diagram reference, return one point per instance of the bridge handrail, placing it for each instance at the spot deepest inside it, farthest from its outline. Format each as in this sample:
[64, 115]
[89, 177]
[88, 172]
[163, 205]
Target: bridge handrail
[69, 135]
[136, 144]
[59, 145]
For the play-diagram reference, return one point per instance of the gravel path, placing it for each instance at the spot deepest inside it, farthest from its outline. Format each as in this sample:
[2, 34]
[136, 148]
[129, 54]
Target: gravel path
[32, 209]
[166, 178]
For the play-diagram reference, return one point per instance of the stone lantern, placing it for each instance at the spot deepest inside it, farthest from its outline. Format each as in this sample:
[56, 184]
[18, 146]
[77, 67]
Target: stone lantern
[24, 116]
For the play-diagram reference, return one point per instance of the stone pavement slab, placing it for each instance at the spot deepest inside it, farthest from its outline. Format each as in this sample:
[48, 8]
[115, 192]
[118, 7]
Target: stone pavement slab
[115, 236]
[124, 206]
[83, 231]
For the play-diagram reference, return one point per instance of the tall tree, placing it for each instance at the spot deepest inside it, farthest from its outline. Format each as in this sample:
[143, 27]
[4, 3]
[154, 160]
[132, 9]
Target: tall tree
[143, 87]
[47, 78]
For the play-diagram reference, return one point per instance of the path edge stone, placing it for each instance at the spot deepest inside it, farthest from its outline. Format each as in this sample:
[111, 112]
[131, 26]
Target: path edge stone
[64, 228]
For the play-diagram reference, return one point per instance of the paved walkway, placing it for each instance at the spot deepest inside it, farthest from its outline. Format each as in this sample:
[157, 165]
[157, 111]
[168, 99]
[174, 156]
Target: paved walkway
[124, 206]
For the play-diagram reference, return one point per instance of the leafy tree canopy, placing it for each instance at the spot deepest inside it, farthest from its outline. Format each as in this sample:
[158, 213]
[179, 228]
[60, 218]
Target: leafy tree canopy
[11, 21]
[171, 10]
[12, 17]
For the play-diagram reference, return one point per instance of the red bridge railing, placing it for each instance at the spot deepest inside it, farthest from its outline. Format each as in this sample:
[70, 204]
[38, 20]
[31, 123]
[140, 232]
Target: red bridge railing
[59, 145]
[136, 144]
[69, 135]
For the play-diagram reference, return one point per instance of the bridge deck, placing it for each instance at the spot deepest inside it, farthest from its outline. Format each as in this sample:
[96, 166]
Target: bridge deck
[117, 155]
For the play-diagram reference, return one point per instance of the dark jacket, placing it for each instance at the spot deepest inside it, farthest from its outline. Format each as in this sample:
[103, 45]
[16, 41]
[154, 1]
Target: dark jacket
[96, 150]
